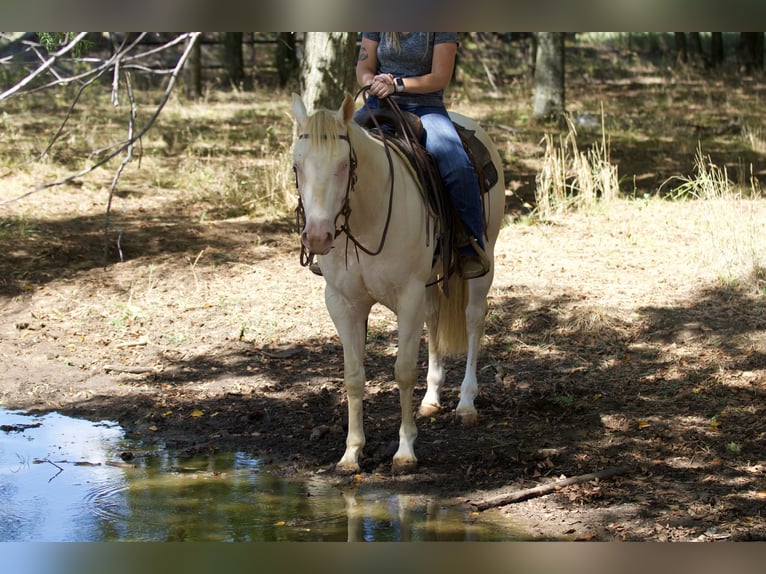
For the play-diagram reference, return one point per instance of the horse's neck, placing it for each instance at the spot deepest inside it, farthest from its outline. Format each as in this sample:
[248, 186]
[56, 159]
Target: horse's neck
[384, 185]
[373, 173]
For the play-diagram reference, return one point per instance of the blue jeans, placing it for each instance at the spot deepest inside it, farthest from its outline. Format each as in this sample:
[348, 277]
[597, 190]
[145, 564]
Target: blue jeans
[458, 175]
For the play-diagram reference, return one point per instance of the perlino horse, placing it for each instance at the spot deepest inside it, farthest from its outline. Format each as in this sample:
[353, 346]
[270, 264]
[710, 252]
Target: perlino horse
[344, 176]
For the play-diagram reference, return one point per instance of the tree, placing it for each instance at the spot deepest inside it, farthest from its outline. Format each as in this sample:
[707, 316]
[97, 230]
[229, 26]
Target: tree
[681, 52]
[194, 71]
[286, 57]
[328, 68]
[695, 39]
[716, 49]
[750, 51]
[232, 58]
[549, 95]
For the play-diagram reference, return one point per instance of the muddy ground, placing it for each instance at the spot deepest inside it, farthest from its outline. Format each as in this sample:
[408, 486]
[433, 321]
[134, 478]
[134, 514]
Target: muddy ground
[610, 341]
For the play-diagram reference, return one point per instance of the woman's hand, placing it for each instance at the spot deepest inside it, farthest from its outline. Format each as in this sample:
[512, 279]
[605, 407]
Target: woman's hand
[382, 86]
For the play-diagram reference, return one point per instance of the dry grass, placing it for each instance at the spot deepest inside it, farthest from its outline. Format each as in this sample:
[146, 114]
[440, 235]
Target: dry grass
[733, 240]
[574, 180]
[229, 154]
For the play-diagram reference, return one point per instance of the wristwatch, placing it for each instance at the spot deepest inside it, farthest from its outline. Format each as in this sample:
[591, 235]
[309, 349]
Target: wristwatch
[399, 82]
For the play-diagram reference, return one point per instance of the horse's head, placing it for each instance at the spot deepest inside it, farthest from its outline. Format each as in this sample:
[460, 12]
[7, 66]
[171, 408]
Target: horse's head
[322, 161]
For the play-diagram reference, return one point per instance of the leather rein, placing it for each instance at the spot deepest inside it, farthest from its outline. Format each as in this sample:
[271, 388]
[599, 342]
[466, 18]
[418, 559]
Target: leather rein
[306, 257]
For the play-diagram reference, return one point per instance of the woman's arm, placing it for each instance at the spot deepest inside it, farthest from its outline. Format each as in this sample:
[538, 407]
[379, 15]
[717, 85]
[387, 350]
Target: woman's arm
[382, 85]
[442, 66]
[367, 63]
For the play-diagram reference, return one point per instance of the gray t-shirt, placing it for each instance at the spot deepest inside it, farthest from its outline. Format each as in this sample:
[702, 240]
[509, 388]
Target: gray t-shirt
[414, 58]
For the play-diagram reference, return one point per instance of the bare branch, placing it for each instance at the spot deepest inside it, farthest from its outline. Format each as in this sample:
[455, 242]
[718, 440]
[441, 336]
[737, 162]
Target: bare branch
[128, 158]
[543, 489]
[119, 147]
[47, 64]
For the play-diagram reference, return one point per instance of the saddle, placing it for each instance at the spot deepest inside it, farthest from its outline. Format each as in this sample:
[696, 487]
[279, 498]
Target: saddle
[405, 130]
[399, 124]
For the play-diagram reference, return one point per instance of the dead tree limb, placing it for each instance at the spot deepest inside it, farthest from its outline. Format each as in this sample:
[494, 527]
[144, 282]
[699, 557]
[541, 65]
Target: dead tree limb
[134, 134]
[543, 489]
[47, 64]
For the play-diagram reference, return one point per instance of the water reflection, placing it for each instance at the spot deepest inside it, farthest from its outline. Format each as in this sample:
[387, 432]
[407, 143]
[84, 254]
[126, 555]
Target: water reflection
[63, 479]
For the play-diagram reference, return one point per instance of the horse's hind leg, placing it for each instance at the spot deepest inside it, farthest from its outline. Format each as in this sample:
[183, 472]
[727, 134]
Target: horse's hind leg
[431, 404]
[476, 312]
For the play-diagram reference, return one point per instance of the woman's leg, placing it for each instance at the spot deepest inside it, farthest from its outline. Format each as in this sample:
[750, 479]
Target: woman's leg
[444, 144]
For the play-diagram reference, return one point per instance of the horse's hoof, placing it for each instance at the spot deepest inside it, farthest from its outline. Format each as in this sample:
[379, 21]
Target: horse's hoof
[404, 466]
[347, 468]
[468, 419]
[429, 410]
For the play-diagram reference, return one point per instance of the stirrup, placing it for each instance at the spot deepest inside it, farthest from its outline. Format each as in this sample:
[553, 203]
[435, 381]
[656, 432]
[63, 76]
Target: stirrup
[473, 266]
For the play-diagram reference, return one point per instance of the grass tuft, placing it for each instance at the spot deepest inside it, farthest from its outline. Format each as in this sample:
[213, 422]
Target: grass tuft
[574, 180]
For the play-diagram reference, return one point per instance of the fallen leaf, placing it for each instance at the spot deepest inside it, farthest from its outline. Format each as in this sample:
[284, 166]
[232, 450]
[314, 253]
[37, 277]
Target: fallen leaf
[197, 413]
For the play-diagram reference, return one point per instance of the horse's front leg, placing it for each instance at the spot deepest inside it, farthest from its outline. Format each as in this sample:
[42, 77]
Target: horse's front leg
[410, 317]
[350, 321]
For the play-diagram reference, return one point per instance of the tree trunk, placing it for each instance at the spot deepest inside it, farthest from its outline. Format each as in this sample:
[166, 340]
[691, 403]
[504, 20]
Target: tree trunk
[328, 69]
[716, 49]
[286, 57]
[681, 55]
[750, 51]
[194, 71]
[549, 102]
[232, 58]
[696, 48]
[531, 53]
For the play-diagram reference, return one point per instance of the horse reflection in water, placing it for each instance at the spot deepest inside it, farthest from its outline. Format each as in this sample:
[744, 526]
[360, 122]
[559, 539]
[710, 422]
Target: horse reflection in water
[374, 515]
[399, 517]
[348, 177]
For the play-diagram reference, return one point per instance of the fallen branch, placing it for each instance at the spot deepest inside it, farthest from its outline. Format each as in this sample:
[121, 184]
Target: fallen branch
[135, 370]
[543, 489]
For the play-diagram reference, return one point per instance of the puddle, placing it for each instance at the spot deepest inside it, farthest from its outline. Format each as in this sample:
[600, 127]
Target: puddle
[65, 480]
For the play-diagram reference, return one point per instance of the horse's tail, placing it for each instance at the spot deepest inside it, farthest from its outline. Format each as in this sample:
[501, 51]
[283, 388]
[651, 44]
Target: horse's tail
[449, 317]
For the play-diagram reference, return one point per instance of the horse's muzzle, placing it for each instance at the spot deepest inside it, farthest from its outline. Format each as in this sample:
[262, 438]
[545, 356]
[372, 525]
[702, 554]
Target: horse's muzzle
[318, 237]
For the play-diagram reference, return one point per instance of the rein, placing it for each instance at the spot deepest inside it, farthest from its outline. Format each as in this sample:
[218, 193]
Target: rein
[306, 257]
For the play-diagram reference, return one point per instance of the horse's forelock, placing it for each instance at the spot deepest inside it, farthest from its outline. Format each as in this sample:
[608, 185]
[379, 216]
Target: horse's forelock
[323, 131]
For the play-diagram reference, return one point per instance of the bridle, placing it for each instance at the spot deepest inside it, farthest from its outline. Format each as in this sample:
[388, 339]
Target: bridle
[306, 256]
[345, 211]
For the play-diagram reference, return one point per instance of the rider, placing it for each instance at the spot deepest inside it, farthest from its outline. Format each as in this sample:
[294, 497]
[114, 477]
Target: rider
[414, 68]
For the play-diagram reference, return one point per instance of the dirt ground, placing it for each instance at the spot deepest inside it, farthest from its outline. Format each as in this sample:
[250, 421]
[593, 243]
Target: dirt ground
[633, 335]
[611, 340]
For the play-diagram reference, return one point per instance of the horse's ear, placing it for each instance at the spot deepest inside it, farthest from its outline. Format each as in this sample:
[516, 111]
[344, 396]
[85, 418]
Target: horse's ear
[299, 109]
[346, 111]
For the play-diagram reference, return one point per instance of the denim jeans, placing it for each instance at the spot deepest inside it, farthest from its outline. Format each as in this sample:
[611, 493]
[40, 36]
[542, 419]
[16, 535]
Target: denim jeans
[458, 175]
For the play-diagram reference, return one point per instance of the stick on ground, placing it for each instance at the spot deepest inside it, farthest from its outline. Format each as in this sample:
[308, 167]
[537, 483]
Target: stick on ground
[543, 489]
